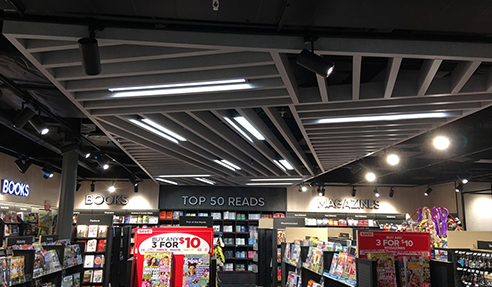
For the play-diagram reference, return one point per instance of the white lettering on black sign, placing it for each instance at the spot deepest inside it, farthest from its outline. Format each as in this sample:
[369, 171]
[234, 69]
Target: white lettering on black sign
[221, 201]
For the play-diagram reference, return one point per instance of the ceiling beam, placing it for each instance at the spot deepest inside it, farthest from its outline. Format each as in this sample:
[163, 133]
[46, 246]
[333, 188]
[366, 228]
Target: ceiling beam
[217, 126]
[462, 51]
[426, 75]
[270, 137]
[197, 76]
[462, 74]
[285, 70]
[356, 70]
[323, 90]
[286, 132]
[216, 149]
[391, 75]
[171, 65]
[39, 46]
[193, 107]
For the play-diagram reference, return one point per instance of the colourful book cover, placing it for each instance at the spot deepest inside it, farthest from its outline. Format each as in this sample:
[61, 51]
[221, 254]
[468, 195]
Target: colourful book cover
[101, 245]
[99, 261]
[88, 276]
[196, 270]
[98, 276]
[102, 231]
[82, 230]
[91, 245]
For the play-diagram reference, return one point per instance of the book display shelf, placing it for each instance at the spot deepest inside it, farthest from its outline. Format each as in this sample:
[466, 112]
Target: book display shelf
[96, 231]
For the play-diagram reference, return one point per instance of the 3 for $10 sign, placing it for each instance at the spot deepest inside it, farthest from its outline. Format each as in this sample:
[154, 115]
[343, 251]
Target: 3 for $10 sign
[176, 242]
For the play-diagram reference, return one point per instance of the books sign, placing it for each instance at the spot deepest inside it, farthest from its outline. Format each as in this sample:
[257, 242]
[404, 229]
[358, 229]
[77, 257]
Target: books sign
[395, 243]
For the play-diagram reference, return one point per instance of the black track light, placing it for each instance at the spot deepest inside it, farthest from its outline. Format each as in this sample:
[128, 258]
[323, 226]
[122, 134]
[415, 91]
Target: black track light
[39, 125]
[93, 187]
[321, 191]
[315, 63]
[135, 188]
[90, 55]
[376, 192]
[392, 191]
[77, 187]
[47, 172]
[22, 165]
[459, 187]
[22, 118]
[102, 161]
[82, 151]
[302, 188]
[428, 191]
[354, 191]
[133, 180]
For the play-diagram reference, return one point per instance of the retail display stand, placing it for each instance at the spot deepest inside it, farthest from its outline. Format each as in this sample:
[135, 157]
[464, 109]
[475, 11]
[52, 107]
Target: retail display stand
[181, 242]
[97, 233]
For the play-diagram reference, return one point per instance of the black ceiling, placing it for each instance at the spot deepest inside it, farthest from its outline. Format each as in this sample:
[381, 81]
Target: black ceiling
[436, 20]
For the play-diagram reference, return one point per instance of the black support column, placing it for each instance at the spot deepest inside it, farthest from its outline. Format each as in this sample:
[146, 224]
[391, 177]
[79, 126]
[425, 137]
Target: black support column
[67, 194]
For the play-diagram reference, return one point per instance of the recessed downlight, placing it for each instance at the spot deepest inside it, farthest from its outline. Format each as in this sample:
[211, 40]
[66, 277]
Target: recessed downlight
[370, 176]
[441, 142]
[393, 159]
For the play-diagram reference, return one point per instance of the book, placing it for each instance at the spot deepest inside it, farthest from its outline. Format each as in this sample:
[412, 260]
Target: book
[16, 267]
[5, 279]
[67, 281]
[196, 270]
[89, 261]
[98, 276]
[82, 230]
[88, 276]
[54, 260]
[92, 231]
[162, 215]
[98, 261]
[76, 279]
[101, 245]
[102, 231]
[91, 245]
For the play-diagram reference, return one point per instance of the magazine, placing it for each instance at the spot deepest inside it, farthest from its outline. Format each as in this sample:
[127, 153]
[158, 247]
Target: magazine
[5, 271]
[196, 270]
[67, 281]
[157, 269]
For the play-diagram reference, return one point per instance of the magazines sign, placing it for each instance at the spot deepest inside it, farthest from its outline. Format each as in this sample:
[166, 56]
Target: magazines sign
[180, 242]
[395, 243]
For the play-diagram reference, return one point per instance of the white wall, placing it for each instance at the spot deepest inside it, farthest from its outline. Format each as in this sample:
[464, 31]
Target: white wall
[405, 200]
[478, 208]
[40, 189]
[146, 198]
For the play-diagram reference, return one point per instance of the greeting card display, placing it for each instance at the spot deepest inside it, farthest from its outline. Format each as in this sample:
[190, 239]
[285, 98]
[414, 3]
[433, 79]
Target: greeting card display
[196, 270]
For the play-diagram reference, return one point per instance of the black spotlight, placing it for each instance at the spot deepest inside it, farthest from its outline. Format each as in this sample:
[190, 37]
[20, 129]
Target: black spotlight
[133, 180]
[428, 191]
[459, 187]
[354, 191]
[22, 165]
[376, 192]
[93, 187]
[135, 188]
[90, 55]
[321, 190]
[102, 161]
[47, 172]
[77, 187]
[392, 192]
[22, 118]
[315, 63]
[302, 188]
[38, 124]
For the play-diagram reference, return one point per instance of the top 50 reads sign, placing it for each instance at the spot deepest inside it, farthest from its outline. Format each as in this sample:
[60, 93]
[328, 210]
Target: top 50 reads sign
[15, 188]
[218, 198]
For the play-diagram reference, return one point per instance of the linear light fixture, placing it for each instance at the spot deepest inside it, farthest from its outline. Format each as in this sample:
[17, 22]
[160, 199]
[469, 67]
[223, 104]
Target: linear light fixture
[276, 179]
[204, 180]
[163, 129]
[286, 164]
[268, 183]
[233, 124]
[167, 181]
[184, 175]
[183, 90]
[179, 85]
[279, 165]
[381, 118]
[230, 164]
[249, 127]
[153, 130]
[224, 165]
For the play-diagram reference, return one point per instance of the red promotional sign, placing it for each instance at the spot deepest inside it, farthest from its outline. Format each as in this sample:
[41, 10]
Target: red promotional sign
[396, 243]
[178, 240]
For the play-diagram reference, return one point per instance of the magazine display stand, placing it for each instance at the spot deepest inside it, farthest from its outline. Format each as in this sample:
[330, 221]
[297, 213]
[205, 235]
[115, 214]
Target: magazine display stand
[97, 233]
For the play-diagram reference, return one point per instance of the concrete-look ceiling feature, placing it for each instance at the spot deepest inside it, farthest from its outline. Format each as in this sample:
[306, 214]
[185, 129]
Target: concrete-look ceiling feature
[382, 92]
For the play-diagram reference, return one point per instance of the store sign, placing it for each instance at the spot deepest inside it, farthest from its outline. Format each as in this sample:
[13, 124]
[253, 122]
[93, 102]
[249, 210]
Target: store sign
[348, 203]
[108, 199]
[15, 188]
[396, 243]
[220, 198]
